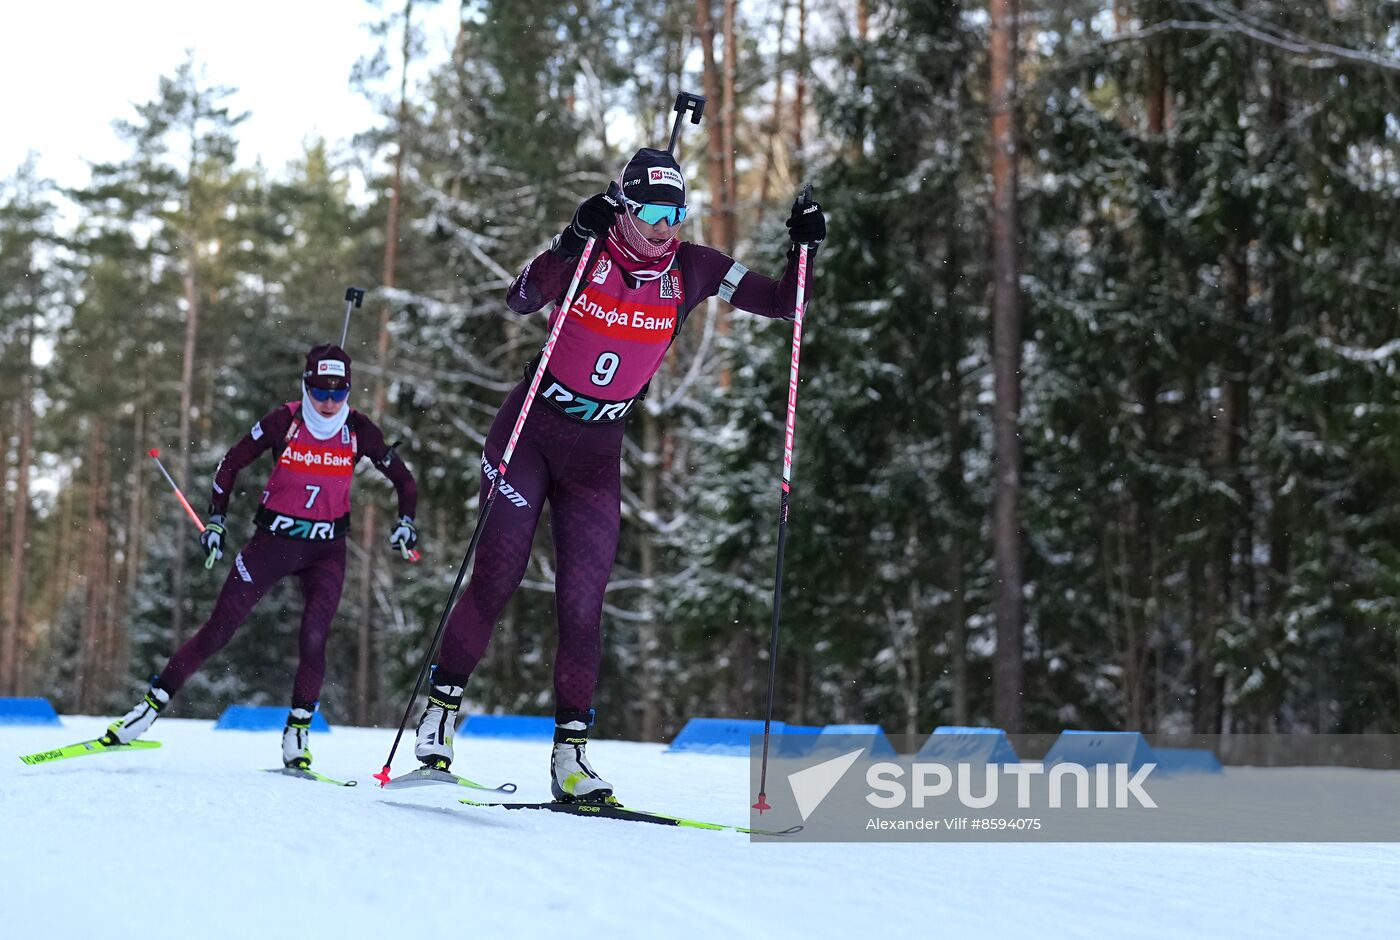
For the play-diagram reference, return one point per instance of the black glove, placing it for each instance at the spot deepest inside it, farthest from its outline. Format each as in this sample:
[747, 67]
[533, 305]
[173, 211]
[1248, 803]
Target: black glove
[807, 224]
[212, 540]
[405, 535]
[592, 219]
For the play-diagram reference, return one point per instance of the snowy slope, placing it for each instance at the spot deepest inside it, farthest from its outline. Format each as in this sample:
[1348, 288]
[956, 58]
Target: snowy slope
[191, 840]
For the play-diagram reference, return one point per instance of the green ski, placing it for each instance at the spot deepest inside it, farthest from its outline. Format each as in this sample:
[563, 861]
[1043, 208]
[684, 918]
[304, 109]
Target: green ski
[427, 776]
[614, 810]
[304, 774]
[84, 748]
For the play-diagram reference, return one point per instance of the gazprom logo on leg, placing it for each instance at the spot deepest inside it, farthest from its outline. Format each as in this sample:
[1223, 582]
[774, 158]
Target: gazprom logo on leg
[506, 490]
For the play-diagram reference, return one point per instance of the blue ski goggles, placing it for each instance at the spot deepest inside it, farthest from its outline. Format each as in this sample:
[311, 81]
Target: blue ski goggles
[328, 394]
[651, 213]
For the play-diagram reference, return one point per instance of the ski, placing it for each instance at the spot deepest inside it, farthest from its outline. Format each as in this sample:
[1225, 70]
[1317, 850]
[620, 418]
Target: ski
[84, 748]
[310, 775]
[614, 810]
[427, 776]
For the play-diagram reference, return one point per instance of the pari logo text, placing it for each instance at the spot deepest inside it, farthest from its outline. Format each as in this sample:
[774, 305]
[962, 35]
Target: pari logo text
[585, 408]
[296, 528]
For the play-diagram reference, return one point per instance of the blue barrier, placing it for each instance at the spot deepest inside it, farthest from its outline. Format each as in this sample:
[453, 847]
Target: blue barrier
[793, 740]
[953, 744]
[1088, 748]
[532, 727]
[1187, 760]
[262, 718]
[720, 735]
[27, 711]
[876, 743]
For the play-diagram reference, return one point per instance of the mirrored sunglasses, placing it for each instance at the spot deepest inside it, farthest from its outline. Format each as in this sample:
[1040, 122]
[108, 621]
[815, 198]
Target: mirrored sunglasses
[651, 213]
[328, 394]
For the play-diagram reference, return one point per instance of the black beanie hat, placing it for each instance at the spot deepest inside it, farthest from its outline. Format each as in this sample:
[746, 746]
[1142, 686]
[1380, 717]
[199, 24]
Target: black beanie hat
[654, 176]
[327, 366]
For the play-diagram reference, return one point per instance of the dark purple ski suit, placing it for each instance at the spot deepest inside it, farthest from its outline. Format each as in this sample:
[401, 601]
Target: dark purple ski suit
[267, 558]
[575, 465]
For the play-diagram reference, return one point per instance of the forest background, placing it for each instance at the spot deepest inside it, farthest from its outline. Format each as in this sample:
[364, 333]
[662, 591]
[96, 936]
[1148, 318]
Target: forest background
[1098, 425]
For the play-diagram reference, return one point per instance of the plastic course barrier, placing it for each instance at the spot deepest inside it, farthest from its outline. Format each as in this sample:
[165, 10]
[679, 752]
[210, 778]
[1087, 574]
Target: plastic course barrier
[1089, 748]
[1187, 760]
[262, 718]
[955, 744]
[27, 711]
[720, 736]
[525, 727]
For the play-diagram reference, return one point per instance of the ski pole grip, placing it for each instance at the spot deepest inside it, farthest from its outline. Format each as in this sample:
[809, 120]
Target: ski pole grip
[685, 103]
[695, 104]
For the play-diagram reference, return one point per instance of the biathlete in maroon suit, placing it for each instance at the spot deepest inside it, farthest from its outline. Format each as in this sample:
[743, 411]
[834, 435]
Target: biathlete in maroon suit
[302, 521]
[637, 290]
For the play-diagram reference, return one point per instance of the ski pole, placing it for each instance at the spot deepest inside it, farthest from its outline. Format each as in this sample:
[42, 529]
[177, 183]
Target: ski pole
[354, 297]
[154, 454]
[785, 490]
[383, 775]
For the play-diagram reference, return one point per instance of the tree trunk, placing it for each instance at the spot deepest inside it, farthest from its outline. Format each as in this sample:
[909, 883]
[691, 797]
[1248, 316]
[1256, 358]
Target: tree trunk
[1282, 497]
[1232, 422]
[1006, 354]
[799, 103]
[775, 132]
[1141, 621]
[135, 542]
[91, 675]
[19, 521]
[1139, 614]
[63, 562]
[714, 129]
[915, 667]
[719, 215]
[956, 491]
[858, 67]
[366, 663]
[728, 112]
[182, 465]
[6, 676]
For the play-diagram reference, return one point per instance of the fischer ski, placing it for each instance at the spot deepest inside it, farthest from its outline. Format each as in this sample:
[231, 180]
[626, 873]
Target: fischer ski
[614, 810]
[84, 748]
[310, 775]
[427, 776]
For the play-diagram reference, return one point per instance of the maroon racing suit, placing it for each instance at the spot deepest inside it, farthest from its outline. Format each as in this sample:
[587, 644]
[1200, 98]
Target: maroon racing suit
[569, 452]
[302, 523]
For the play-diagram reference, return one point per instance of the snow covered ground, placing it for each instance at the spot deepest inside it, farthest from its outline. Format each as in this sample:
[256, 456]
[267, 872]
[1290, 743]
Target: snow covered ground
[191, 840]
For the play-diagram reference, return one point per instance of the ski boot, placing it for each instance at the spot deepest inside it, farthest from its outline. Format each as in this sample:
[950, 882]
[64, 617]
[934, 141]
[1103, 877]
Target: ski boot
[436, 727]
[139, 720]
[296, 755]
[572, 778]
